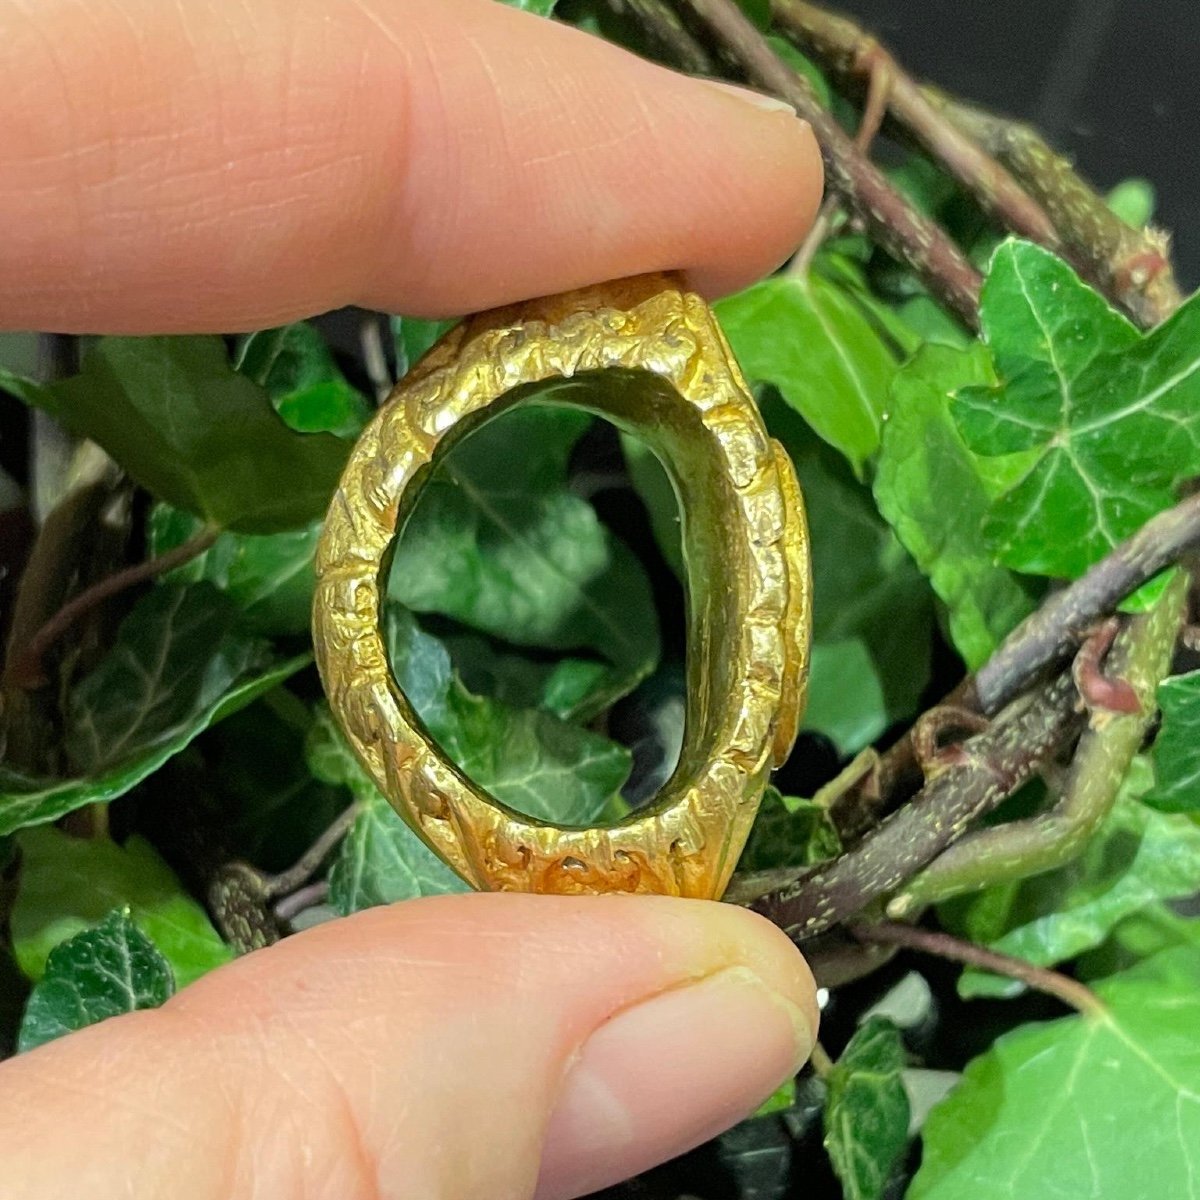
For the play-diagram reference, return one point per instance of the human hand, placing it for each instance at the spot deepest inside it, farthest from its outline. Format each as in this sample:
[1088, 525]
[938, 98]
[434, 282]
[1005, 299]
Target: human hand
[221, 166]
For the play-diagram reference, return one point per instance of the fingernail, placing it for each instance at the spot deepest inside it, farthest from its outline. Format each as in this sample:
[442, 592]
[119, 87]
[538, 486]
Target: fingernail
[750, 96]
[668, 1074]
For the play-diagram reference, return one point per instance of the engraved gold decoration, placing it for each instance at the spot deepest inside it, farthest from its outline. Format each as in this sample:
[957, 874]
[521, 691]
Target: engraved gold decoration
[650, 357]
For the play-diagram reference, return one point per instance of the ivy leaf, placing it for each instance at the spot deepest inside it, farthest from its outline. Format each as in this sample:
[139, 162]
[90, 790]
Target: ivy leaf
[867, 1112]
[1111, 419]
[499, 542]
[1100, 1106]
[296, 367]
[651, 482]
[269, 576]
[865, 585]
[573, 689]
[68, 884]
[936, 494]
[102, 972]
[845, 696]
[193, 431]
[789, 832]
[413, 337]
[177, 666]
[1138, 856]
[807, 336]
[526, 758]
[380, 860]
[1177, 748]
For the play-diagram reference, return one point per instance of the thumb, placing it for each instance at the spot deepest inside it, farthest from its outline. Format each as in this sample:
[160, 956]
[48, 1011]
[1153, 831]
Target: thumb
[478, 1046]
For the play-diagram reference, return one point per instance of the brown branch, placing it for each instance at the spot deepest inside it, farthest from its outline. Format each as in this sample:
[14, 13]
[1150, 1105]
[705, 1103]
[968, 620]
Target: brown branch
[988, 768]
[1047, 636]
[943, 945]
[850, 52]
[26, 669]
[1131, 266]
[905, 233]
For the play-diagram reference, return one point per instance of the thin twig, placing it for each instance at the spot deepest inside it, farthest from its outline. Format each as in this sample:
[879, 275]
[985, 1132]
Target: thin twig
[849, 51]
[307, 864]
[26, 670]
[943, 945]
[311, 894]
[988, 768]
[1131, 266]
[1140, 659]
[898, 227]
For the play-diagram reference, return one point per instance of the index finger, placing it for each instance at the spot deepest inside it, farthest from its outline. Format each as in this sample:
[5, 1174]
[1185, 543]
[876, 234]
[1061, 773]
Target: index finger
[232, 164]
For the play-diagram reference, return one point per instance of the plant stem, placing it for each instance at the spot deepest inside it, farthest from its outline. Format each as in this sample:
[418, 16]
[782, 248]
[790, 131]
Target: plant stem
[985, 769]
[1129, 265]
[668, 32]
[1141, 658]
[1047, 636]
[893, 222]
[849, 51]
[943, 945]
[26, 669]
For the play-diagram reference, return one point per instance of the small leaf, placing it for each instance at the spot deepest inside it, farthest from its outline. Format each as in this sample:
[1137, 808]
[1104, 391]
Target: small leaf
[1177, 747]
[789, 832]
[807, 336]
[269, 576]
[194, 432]
[528, 759]
[867, 1112]
[543, 8]
[935, 494]
[499, 542]
[413, 337]
[295, 366]
[1138, 856]
[653, 485]
[1110, 419]
[1100, 1106]
[68, 884]
[1133, 201]
[176, 668]
[110, 969]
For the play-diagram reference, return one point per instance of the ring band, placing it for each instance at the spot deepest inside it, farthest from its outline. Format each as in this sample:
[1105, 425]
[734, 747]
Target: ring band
[650, 357]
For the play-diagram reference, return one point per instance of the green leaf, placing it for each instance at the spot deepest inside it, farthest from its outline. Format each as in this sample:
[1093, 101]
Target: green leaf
[845, 697]
[1133, 201]
[110, 969]
[499, 542]
[309, 392]
[526, 758]
[1103, 1106]
[269, 576]
[574, 689]
[865, 584]
[543, 8]
[413, 337]
[936, 494]
[193, 431]
[789, 832]
[68, 884]
[1138, 856]
[1110, 419]
[380, 860]
[867, 1113]
[1177, 748]
[800, 63]
[808, 337]
[177, 667]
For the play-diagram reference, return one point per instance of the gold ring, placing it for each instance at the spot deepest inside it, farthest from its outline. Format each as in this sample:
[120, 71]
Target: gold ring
[650, 357]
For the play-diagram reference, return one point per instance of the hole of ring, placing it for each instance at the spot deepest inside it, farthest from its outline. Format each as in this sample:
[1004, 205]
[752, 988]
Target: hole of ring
[534, 618]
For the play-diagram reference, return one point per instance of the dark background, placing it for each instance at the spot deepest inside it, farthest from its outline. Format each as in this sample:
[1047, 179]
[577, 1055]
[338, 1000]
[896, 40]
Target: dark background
[1111, 82]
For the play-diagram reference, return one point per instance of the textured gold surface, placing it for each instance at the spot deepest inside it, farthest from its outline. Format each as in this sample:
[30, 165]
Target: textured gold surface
[649, 357]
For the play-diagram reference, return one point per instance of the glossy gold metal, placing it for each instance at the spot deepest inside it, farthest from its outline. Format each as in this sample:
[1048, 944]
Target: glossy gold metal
[650, 357]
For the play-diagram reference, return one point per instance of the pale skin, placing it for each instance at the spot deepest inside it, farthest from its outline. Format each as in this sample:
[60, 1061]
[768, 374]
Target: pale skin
[231, 164]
